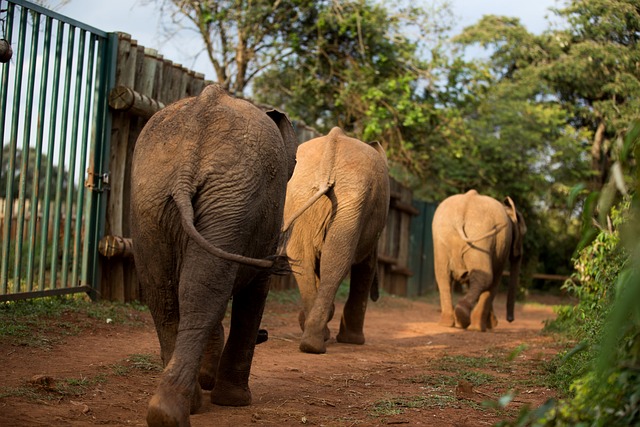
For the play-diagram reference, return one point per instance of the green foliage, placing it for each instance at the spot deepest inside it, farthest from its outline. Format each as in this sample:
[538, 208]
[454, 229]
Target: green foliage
[541, 114]
[593, 283]
[362, 69]
[602, 373]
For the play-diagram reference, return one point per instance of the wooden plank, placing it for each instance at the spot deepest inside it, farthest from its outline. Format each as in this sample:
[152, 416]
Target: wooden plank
[185, 78]
[146, 79]
[113, 281]
[165, 89]
[197, 84]
[158, 79]
[416, 231]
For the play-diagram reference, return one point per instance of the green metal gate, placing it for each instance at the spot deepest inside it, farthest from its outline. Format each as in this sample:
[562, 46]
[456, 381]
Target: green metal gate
[54, 128]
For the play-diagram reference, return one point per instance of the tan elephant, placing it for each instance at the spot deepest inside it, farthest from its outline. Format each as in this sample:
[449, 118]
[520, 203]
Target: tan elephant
[336, 207]
[473, 237]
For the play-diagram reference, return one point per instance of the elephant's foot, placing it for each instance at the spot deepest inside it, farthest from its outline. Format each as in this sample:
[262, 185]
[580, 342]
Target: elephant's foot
[447, 319]
[353, 335]
[476, 327]
[228, 394]
[302, 318]
[462, 316]
[484, 326]
[493, 321]
[172, 409]
[313, 343]
[350, 337]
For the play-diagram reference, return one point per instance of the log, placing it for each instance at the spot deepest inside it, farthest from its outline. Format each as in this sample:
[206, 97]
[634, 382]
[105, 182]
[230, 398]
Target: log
[122, 98]
[404, 207]
[115, 246]
[387, 259]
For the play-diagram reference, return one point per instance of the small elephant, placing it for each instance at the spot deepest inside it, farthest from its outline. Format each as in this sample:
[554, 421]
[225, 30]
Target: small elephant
[336, 207]
[473, 236]
[208, 190]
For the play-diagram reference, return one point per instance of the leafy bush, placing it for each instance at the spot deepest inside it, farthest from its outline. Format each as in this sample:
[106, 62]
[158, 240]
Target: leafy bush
[593, 283]
[602, 374]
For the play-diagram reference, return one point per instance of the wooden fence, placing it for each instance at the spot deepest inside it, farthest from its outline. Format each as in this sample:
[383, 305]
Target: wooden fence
[145, 83]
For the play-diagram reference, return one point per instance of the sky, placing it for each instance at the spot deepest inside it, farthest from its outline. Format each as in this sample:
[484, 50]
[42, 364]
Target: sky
[141, 19]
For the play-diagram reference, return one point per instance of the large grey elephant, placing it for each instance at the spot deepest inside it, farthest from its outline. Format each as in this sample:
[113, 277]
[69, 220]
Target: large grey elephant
[208, 190]
[473, 237]
[336, 207]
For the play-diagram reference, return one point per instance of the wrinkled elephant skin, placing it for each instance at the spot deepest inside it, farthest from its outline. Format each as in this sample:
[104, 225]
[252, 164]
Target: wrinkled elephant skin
[208, 190]
[473, 237]
[337, 233]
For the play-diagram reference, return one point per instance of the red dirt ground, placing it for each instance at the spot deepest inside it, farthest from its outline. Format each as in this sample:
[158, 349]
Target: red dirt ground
[411, 371]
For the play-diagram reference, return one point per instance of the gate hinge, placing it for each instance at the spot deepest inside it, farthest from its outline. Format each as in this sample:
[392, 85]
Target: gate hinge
[96, 181]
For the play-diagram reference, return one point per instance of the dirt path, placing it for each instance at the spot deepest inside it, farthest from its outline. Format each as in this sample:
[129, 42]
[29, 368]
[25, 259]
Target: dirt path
[411, 371]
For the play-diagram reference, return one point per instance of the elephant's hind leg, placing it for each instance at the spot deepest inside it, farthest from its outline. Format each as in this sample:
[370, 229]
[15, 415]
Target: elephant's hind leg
[443, 279]
[479, 282]
[154, 265]
[232, 382]
[352, 322]
[480, 313]
[335, 263]
[211, 358]
[203, 294]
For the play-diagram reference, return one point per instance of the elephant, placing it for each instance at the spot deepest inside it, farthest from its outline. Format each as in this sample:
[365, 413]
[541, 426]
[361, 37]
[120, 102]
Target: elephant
[473, 236]
[208, 184]
[336, 207]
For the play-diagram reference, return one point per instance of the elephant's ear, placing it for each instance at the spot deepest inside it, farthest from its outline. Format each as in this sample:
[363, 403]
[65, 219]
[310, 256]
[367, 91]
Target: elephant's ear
[288, 134]
[510, 208]
[519, 228]
[378, 147]
[284, 125]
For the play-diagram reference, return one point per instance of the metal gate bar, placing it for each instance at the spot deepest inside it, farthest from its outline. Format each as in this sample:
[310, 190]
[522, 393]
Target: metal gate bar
[49, 221]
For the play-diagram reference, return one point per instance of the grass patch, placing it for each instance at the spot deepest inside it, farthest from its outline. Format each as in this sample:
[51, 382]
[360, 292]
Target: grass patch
[26, 322]
[397, 405]
[474, 377]
[436, 397]
[455, 362]
[144, 362]
[138, 362]
[292, 296]
[49, 389]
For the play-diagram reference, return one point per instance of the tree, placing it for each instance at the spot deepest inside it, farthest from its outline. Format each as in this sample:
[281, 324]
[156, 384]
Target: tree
[243, 38]
[29, 174]
[360, 68]
[589, 67]
[357, 64]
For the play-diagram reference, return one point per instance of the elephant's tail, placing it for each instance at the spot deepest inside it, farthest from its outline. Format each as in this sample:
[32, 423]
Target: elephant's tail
[491, 233]
[322, 191]
[374, 293]
[277, 264]
[327, 175]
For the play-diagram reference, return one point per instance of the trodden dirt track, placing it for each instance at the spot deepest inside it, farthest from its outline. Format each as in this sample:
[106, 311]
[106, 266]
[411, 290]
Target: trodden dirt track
[411, 371]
